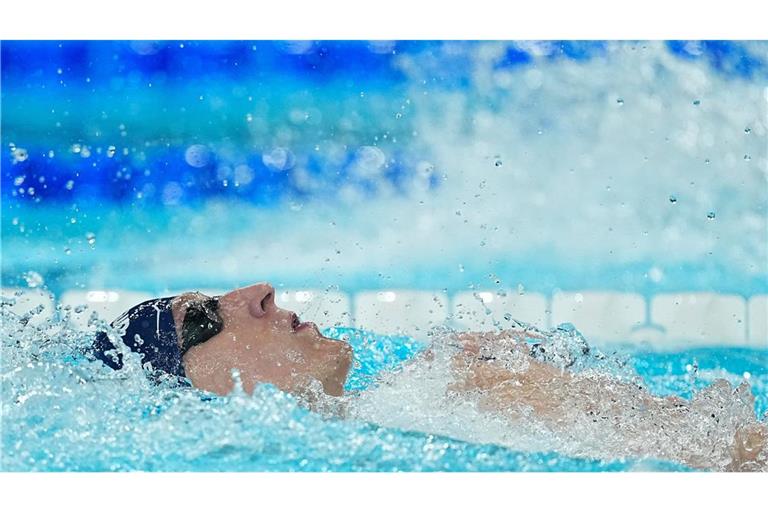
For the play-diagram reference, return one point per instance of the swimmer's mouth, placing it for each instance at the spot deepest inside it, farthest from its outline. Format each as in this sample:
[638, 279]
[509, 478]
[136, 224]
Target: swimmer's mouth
[298, 325]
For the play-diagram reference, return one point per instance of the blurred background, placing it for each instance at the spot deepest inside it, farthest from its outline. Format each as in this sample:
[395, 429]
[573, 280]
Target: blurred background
[511, 169]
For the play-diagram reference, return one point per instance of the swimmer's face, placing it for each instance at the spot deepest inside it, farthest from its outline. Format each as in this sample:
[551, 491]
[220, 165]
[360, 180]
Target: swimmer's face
[265, 343]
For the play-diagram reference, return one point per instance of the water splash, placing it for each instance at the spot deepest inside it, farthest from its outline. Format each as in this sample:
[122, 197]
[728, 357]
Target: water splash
[600, 407]
[62, 411]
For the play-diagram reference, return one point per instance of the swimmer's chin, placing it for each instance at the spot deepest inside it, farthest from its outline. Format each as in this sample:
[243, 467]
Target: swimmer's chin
[334, 386]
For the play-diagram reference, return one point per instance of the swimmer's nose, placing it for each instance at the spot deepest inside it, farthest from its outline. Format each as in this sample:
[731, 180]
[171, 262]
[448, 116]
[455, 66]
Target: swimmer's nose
[261, 300]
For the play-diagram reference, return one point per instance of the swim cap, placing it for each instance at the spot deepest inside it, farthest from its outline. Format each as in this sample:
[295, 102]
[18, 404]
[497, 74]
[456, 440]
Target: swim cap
[150, 331]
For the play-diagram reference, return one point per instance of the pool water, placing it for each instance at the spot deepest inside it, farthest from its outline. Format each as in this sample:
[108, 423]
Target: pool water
[63, 412]
[621, 166]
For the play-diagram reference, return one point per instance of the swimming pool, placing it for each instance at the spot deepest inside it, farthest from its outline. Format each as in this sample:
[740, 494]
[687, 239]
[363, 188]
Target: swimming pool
[63, 412]
[617, 186]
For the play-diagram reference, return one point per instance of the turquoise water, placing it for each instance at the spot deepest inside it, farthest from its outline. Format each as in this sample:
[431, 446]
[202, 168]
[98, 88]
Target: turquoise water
[62, 412]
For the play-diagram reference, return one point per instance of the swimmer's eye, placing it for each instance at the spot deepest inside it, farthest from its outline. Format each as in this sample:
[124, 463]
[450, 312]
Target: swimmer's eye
[201, 322]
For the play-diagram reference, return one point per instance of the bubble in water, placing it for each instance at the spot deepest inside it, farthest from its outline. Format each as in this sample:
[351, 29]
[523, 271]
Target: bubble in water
[278, 159]
[697, 102]
[197, 155]
[747, 130]
[497, 161]
[711, 215]
[91, 237]
[19, 180]
[672, 199]
[620, 102]
[111, 150]
[747, 158]
[520, 289]
[33, 279]
[67, 251]
[70, 185]
[19, 155]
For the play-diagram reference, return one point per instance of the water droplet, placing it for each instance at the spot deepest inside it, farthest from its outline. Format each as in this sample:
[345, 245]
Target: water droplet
[697, 102]
[33, 279]
[655, 274]
[197, 155]
[711, 215]
[19, 155]
[620, 102]
[672, 199]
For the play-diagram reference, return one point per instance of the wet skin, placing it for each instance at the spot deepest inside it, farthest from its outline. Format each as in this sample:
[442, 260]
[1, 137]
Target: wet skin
[265, 344]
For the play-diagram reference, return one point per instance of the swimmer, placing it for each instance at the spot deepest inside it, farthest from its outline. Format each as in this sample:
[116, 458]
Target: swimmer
[200, 340]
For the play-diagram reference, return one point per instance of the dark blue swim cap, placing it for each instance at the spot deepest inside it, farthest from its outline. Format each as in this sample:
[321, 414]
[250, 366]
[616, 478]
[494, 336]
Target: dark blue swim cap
[151, 332]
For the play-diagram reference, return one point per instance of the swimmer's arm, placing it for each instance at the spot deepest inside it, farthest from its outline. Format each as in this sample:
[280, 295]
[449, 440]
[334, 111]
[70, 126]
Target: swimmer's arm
[533, 383]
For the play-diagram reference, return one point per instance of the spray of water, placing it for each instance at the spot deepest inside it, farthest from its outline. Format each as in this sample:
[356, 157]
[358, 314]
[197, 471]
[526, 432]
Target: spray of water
[61, 411]
[580, 402]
